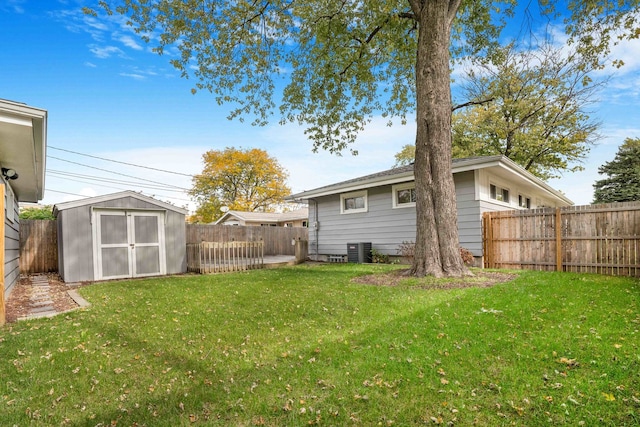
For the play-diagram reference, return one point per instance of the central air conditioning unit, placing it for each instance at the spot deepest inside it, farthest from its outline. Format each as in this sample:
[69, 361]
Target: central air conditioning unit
[359, 252]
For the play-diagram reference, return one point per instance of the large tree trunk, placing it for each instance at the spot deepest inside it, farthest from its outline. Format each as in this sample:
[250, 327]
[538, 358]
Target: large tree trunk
[437, 244]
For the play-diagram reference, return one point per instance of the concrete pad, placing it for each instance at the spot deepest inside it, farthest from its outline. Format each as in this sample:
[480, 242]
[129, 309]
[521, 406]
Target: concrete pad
[82, 303]
[46, 308]
[35, 304]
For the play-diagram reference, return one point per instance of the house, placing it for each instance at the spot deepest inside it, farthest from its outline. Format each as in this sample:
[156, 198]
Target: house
[23, 141]
[297, 218]
[380, 208]
[119, 235]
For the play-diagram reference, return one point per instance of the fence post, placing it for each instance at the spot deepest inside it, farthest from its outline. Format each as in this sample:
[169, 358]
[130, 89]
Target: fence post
[558, 240]
[302, 250]
[487, 240]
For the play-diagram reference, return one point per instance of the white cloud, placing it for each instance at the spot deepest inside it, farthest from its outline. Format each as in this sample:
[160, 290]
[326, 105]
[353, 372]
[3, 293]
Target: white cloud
[128, 41]
[14, 6]
[104, 52]
[133, 76]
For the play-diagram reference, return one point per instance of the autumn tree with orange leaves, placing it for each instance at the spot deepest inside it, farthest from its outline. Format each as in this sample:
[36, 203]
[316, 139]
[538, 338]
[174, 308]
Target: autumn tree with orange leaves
[245, 180]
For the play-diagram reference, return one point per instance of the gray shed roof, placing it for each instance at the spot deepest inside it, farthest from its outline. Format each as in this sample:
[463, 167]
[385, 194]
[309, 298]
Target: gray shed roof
[107, 197]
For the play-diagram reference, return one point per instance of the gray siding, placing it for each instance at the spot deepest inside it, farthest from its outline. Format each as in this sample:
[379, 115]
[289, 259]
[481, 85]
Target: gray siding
[11, 250]
[75, 242]
[385, 227]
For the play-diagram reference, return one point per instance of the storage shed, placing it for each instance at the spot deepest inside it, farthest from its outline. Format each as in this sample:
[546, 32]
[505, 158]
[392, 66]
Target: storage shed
[120, 235]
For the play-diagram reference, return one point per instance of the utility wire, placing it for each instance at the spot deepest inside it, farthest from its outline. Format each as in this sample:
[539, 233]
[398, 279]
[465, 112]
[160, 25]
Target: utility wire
[116, 173]
[85, 197]
[59, 174]
[117, 161]
[69, 177]
[64, 192]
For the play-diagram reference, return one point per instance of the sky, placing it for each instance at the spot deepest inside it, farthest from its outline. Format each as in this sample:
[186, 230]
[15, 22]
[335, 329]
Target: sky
[112, 101]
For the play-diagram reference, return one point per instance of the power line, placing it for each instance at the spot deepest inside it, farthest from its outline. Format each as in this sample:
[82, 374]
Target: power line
[117, 161]
[68, 178]
[71, 175]
[86, 197]
[65, 192]
[116, 173]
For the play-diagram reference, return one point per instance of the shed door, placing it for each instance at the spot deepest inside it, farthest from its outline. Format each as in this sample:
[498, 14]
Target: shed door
[128, 244]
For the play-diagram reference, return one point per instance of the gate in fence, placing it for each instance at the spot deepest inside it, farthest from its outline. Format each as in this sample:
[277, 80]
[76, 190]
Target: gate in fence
[220, 257]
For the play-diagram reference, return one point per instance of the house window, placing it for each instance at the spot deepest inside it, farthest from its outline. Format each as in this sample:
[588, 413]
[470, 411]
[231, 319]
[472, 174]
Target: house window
[305, 224]
[288, 224]
[404, 195]
[353, 202]
[524, 201]
[498, 193]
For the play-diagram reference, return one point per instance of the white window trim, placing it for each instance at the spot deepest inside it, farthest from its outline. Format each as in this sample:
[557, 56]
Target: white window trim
[362, 193]
[501, 187]
[394, 198]
[524, 196]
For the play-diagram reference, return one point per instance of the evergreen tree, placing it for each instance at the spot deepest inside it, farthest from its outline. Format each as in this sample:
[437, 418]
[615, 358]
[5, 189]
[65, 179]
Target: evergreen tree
[623, 175]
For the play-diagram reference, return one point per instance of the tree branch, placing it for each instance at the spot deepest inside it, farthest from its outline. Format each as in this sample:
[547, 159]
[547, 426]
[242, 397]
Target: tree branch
[467, 104]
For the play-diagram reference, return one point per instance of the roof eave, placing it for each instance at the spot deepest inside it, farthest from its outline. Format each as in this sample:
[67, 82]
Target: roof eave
[459, 165]
[98, 199]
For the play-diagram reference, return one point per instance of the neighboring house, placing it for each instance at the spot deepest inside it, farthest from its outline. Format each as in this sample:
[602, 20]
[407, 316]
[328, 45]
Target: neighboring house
[120, 235]
[297, 218]
[380, 208]
[23, 141]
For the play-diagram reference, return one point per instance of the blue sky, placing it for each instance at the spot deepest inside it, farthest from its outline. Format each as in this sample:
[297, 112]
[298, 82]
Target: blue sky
[108, 96]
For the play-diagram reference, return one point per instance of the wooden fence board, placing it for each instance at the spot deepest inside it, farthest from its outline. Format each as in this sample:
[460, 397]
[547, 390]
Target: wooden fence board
[38, 246]
[221, 257]
[591, 239]
[277, 240]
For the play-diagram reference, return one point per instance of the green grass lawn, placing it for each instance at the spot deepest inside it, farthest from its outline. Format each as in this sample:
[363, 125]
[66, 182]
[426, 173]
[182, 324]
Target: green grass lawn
[306, 346]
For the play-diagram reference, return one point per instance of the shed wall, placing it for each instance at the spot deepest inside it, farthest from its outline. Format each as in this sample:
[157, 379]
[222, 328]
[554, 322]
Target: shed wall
[385, 227]
[75, 242]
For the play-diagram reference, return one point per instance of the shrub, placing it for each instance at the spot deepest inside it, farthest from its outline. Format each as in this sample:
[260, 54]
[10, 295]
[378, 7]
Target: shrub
[467, 256]
[378, 257]
[406, 249]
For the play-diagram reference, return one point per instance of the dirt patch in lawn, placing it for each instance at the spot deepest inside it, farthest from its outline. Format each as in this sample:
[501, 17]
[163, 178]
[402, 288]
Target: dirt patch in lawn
[480, 279]
[19, 304]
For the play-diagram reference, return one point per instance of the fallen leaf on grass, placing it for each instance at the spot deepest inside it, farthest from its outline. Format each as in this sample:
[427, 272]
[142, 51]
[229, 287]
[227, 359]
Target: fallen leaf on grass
[568, 362]
[609, 397]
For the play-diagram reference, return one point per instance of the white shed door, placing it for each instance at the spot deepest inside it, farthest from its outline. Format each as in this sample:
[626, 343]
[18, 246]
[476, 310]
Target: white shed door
[128, 244]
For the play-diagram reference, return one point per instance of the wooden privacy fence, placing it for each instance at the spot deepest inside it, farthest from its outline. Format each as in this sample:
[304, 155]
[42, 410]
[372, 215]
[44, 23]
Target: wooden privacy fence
[220, 257]
[591, 239]
[38, 246]
[277, 240]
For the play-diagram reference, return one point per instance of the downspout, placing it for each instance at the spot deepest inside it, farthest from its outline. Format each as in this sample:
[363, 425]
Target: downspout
[316, 226]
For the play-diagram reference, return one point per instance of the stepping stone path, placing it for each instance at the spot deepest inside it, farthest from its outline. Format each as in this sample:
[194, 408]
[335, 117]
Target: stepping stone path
[40, 303]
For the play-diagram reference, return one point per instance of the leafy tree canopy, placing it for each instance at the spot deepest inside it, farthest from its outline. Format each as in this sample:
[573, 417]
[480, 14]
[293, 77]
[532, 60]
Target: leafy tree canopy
[622, 182]
[44, 212]
[245, 180]
[406, 156]
[528, 105]
[342, 62]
